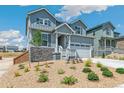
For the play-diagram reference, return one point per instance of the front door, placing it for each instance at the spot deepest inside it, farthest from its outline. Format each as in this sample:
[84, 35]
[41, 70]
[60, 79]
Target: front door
[62, 41]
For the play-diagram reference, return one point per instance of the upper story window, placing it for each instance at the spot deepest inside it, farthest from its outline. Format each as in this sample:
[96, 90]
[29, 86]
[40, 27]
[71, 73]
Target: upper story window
[47, 22]
[108, 31]
[94, 33]
[41, 21]
[78, 29]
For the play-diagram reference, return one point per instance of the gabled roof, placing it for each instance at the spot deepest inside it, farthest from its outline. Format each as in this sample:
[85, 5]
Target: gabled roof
[42, 9]
[77, 21]
[101, 25]
[116, 32]
[120, 38]
[65, 25]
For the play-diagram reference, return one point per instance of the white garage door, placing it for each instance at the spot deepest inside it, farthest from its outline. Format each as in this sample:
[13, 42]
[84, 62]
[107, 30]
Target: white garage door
[83, 52]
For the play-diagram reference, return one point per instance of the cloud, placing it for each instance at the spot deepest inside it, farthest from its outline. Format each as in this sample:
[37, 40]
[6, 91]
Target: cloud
[12, 37]
[119, 25]
[67, 12]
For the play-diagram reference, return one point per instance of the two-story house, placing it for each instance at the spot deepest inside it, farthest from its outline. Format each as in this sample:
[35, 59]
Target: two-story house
[105, 38]
[61, 39]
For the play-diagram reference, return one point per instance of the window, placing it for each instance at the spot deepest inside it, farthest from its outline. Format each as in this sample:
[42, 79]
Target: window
[39, 21]
[108, 31]
[82, 45]
[93, 33]
[47, 22]
[77, 45]
[87, 46]
[78, 29]
[72, 44]
[44, 39]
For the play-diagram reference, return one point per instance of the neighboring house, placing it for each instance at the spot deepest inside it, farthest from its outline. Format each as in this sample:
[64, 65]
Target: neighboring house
[120, 42]
[60, 39]
[105, 38]
[8, 48]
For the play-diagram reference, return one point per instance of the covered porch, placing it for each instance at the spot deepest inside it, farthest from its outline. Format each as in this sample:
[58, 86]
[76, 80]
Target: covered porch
[107, 43]
[62, 37]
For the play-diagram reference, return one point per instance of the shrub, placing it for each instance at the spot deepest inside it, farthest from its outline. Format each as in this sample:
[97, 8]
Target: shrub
[121, 58]
[120, 70]
[107, 73]
[44, 71]
[69, 80]
[92, 76]
[73, 67]
[88, 63]
[43, 78]
[46, 65]
[74, 62]
[104, 69]
[21, 66]
[26, 69]
[37, 68]
[99, 65]
[61, 71]
[103, 55]
[86, 70]
[17, 74]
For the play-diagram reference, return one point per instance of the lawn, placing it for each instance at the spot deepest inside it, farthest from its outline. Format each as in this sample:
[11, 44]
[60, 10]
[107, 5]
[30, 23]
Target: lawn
[54, 73]
[10, 54]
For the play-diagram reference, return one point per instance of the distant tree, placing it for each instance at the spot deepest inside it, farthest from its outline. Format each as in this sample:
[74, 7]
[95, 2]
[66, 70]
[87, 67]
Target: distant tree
[36, 38]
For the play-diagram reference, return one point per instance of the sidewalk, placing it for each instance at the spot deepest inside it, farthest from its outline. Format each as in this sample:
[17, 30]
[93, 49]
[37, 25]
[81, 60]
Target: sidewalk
[5, 63]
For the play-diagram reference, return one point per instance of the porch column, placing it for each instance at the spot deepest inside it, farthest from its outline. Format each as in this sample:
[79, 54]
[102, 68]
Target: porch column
[56, 49]
[69, 41]
[105, 46]
[110, 43]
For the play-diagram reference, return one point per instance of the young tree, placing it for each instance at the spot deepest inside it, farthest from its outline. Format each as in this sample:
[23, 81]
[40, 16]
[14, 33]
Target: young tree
[36, 38]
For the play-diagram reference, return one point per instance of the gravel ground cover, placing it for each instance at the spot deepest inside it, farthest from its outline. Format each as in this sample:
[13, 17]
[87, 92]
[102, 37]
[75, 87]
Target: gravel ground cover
[30, 79]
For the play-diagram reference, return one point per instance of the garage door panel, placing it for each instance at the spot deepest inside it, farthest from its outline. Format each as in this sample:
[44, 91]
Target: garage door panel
[83, 52]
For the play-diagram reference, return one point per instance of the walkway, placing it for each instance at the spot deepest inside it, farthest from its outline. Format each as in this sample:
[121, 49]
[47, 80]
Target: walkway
[5, 63]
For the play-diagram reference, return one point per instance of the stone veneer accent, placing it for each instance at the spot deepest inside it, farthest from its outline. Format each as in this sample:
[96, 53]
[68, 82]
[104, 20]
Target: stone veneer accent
[41, 53]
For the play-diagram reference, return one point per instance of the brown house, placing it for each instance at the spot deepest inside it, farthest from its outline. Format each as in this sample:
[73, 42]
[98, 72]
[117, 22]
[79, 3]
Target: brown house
[120, 42]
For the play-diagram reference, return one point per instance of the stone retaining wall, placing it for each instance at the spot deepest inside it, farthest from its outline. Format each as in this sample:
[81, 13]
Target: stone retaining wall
[41, 53]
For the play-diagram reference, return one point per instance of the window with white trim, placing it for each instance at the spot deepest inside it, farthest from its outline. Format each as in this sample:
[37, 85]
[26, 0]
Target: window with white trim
[108, 31]
[47, 22]
[44, 39]
[42, 21]
[39, 21]
[78, 29]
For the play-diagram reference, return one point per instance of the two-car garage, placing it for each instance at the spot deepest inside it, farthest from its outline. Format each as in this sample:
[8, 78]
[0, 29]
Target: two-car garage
[84, 52]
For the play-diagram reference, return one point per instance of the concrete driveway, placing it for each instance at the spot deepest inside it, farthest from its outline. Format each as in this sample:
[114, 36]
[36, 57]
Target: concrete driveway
[5, 63]
[109, 62]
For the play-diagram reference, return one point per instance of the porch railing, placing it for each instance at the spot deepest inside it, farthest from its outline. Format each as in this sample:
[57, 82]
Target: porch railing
[109, 48]
[65, 53]
[42, 27]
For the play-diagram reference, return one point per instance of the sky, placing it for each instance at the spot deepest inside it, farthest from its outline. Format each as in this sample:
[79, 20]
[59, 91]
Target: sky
[13, 19]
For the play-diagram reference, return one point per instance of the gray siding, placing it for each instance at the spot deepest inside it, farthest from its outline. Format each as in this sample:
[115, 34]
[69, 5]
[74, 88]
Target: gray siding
[44, 15]
[53, 40]
[81, 39]
[49, 36]
[64, 29]
[78, 23]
